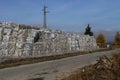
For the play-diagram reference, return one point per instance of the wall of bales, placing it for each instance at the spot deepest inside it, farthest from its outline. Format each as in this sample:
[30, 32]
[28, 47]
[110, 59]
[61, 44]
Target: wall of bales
[22, 40]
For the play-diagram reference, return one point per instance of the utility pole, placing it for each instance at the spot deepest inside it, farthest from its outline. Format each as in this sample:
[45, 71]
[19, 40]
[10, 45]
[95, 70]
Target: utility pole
[44, 19]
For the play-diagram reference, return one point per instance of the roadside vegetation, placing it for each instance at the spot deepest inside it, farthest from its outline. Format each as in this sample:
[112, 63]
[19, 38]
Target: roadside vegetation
[105, 69]
[101, 40]
[116, 43]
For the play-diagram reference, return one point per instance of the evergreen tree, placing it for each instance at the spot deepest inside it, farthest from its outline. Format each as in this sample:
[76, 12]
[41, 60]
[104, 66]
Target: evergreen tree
[88, 31]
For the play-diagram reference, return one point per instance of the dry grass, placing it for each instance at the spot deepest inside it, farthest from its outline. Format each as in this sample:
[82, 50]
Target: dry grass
[104, 69]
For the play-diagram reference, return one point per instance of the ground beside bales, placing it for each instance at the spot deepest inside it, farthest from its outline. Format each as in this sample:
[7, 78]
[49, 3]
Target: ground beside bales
[52, 70]
[105, 69]
[22, 61]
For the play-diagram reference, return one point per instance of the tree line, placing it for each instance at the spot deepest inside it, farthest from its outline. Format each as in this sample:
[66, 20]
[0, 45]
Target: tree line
[101, 39]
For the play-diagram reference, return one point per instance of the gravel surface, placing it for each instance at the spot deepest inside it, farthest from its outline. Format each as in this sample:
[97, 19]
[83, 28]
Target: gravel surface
[51, 70]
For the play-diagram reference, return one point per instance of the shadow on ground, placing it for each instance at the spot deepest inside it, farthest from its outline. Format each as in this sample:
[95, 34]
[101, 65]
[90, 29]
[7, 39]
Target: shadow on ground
[42, 78]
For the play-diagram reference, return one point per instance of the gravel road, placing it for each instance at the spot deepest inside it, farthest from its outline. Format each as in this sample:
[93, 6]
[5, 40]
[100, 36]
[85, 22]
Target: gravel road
[50, 70]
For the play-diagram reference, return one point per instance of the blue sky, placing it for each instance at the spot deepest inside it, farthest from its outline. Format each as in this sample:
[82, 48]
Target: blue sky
[67, 15]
